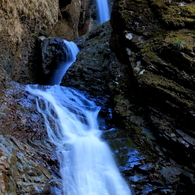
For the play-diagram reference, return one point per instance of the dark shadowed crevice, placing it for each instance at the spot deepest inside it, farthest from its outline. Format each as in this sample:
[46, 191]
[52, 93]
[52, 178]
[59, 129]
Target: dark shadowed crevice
[63, 3]
[65, 15]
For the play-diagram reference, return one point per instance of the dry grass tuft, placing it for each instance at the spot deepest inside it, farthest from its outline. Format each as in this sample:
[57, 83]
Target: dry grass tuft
[14, 14]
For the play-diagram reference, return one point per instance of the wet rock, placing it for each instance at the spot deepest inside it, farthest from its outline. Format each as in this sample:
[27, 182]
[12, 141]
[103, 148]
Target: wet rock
[147, 168]
[21, 169]
[134, 158]
[22, 22]
[137, 178]
[187, 177]
[23, 140]
[170, 173]
[145, 39]
[190, 140]
[90, 74]
[148, 189]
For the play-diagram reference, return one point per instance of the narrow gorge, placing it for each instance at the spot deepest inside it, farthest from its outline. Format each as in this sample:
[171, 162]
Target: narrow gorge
[97, 97]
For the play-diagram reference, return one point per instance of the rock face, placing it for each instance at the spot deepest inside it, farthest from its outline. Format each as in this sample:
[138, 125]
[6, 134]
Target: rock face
[154, 40]
[74, 19]
[21, 22]
[148, 81]
[90, 73]
[151, 89]
[28, 164]
[159, 49]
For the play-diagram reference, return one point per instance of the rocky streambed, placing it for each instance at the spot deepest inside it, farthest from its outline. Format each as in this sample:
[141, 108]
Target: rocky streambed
[140, 70]
[28, 164]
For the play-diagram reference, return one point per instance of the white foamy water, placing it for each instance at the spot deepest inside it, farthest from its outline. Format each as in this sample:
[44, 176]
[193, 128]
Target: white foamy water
[71, 52]
[103, 11]
[87, 166]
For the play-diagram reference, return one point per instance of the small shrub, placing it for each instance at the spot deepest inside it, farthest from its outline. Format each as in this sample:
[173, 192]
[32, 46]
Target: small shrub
[179, 44]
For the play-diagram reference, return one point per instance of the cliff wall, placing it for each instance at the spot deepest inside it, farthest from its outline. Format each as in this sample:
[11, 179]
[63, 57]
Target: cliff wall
[143, 67]
[148, 75]
[22, 22]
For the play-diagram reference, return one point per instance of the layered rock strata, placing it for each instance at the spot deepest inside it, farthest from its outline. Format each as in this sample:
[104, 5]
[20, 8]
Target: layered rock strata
[21, 22]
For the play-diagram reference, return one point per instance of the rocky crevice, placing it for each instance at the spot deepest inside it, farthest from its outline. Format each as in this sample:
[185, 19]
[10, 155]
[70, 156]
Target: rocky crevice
[21, 22]
[74, 19]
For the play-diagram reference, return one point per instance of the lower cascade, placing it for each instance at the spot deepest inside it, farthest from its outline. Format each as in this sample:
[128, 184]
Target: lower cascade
[87, 166]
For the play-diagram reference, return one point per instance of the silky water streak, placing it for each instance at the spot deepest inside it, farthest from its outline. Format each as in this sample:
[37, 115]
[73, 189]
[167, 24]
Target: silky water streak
[71, 51]
[87, 166]
[102, 11]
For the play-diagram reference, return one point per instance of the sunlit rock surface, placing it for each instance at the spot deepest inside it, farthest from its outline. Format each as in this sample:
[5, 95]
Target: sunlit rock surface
[74, 19]
[23, 21]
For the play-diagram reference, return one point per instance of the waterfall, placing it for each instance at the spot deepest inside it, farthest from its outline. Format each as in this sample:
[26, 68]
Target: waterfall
[87, 166]
[103, 11]
[71, 52]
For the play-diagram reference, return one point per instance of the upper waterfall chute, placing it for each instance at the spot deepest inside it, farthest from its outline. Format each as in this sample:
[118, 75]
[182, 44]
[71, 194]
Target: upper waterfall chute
[56, 56]
[103, 11]
[71, 52]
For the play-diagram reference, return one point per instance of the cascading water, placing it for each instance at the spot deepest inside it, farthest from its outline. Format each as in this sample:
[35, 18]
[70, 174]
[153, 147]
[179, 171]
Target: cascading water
[71, 52]
[103, 11]
[87, 166]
